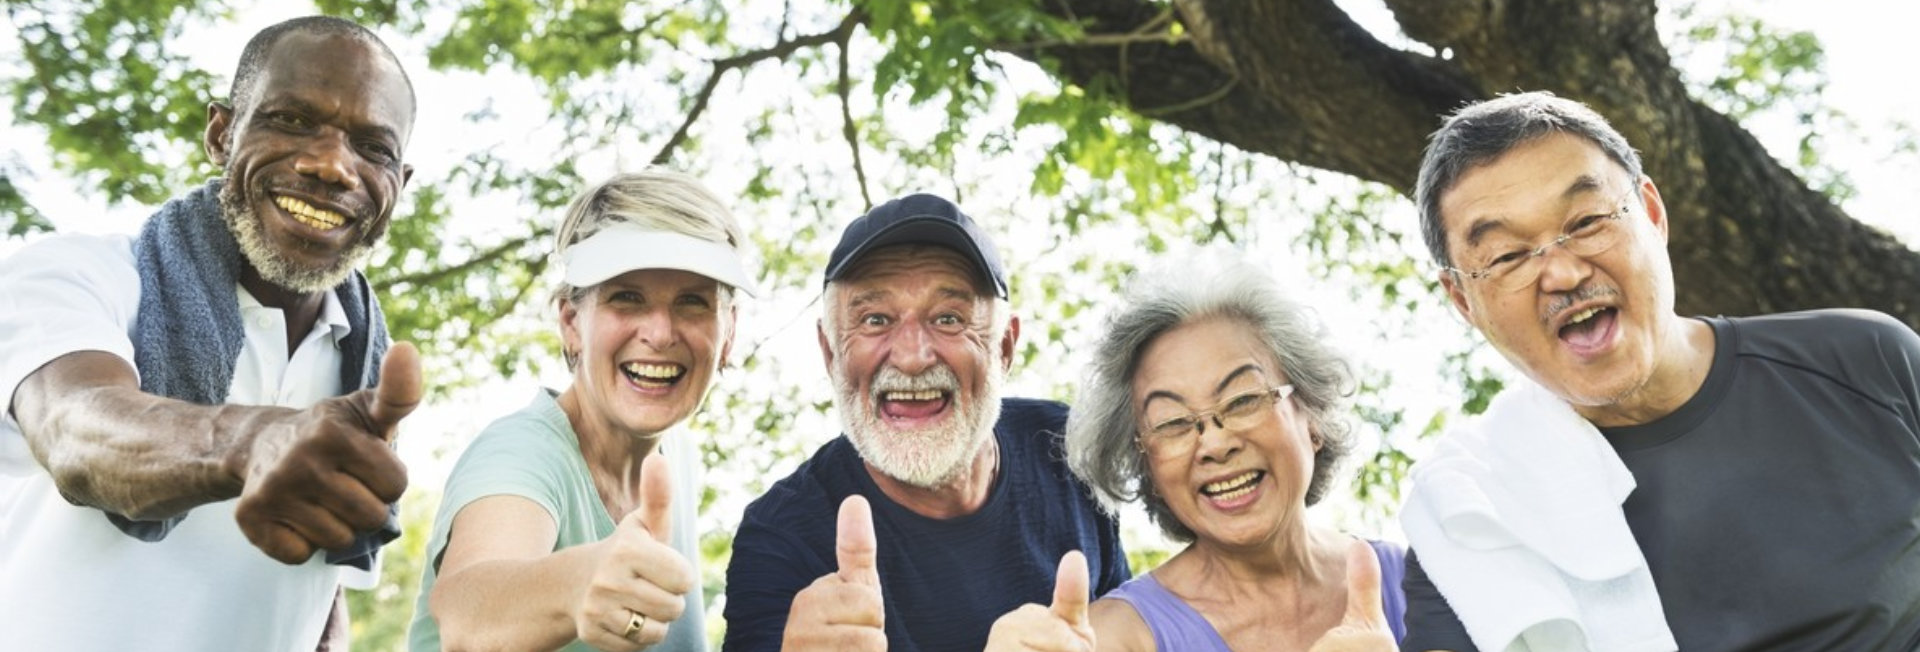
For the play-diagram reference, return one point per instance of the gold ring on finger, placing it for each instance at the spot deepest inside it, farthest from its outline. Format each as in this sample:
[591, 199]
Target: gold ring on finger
[634, 625]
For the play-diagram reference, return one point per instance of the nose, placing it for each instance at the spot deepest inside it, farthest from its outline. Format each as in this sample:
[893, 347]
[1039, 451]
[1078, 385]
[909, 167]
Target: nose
[913, 349]
[1216, 442]
[329, 157]
[1562, 270]
[654, 328]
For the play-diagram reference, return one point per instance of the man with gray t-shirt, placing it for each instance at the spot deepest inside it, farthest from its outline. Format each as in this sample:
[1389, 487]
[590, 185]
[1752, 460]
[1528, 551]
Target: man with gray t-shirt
[1775, 461]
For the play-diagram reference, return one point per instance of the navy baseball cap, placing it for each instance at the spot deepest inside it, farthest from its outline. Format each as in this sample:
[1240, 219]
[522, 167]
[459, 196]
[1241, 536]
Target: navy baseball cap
[918, 219]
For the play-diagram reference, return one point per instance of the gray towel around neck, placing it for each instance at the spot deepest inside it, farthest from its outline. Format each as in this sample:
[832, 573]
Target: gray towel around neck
[187, 333]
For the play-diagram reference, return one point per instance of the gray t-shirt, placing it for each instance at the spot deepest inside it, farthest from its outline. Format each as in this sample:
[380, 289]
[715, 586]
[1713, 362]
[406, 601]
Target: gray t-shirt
[1779, 508]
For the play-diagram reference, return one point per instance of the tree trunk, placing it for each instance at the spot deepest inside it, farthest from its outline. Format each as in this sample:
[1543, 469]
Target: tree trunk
[1300, 81]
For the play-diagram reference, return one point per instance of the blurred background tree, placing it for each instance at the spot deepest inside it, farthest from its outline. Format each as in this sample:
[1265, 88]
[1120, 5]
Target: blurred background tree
[1089, 135]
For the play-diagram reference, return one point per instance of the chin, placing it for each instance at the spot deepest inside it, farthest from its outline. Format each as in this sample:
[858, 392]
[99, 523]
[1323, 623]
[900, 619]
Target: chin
[249, 229]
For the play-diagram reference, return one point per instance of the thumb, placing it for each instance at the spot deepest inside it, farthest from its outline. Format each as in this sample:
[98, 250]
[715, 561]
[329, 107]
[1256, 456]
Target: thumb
[1363, 588]
[399, 390]
[1070, 589]
[656, 497]
[854, 544]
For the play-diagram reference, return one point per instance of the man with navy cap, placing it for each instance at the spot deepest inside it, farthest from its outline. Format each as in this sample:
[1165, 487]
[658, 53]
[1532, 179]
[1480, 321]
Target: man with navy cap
[953, 504]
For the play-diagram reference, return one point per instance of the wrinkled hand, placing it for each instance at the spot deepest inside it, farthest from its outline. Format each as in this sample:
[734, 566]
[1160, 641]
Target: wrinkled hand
[639, 573]
[320, 475]
[1061, 627]
[1364, 629]
[843, 610]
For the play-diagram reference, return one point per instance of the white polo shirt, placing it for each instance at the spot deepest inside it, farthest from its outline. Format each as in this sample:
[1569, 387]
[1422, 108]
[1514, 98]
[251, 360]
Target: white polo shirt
[69, 579]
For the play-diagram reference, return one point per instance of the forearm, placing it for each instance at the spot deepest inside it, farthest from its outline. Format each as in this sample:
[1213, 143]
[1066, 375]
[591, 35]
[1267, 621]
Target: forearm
[513, 604]
[110, 446]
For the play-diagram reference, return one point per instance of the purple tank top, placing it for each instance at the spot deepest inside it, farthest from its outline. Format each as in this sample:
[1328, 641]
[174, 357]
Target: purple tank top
[1176, 626]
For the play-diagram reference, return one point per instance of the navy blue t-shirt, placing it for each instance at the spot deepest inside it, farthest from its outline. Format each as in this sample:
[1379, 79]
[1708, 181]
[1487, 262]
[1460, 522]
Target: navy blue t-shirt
[944, 581]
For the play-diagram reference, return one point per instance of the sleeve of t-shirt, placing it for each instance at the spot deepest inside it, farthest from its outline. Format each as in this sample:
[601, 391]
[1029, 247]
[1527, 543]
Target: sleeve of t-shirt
[1899, 350]
[1431, 624]
[64, 294]
[501, 461]
[770, 565]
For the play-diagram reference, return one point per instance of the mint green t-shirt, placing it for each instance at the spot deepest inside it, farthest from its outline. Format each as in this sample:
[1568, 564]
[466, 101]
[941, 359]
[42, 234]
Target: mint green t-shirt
[534, 454]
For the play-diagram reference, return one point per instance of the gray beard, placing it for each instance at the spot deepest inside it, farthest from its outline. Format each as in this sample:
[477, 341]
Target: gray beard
[246, 226]
[930, 458]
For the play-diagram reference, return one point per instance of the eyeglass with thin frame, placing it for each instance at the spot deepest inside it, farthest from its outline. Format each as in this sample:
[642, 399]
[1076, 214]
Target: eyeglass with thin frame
[1169, 437]
[1514, 268]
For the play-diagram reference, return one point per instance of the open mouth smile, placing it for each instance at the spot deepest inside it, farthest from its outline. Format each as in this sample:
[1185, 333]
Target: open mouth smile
[1234, 487]
[652, 375]
[1588, 332]
[913, 404]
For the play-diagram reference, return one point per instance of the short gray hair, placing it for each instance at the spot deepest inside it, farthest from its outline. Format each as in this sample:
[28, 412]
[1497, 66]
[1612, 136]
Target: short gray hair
[659, 200]
[1481, 132]
[1102, 428]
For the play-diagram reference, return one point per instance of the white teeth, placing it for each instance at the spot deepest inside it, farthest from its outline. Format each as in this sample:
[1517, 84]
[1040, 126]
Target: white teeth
[318, 218]
[1584, 315]
[922, 395]
[1235, 486]
[653, 371]
[1233, 494]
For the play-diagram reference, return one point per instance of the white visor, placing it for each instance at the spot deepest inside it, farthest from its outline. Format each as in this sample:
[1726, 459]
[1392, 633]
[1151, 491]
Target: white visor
[623, 248]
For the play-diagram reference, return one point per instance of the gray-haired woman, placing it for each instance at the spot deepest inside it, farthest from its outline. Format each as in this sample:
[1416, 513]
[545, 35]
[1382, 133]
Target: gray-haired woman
[559, 528]
[1214, 400]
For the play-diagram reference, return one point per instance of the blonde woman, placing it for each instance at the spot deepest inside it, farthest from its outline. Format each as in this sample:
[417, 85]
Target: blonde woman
[560, 528]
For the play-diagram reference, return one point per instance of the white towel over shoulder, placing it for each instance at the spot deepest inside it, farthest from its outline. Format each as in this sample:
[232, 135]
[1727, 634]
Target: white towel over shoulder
[1516, 519]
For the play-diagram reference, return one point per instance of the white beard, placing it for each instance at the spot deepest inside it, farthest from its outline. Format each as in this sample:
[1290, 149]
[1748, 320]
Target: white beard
[246, 227]
[928, 458]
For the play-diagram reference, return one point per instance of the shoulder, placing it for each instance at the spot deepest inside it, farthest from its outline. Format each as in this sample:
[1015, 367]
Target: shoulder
[1816, 332]
[1032, 414]
[526, 449]
[101, 262]
[1033, 424]
[71, 249]
[537, 429]
[1860, 349]
[1119, 626]
[1819, 325]
[808, 496]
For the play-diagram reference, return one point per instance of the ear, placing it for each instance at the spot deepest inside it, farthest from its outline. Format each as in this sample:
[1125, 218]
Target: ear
[726, 345]
[1451, 281]
[219, 128]
[1656, 209]
[826, 348]
[569, 331]
[1008, 341]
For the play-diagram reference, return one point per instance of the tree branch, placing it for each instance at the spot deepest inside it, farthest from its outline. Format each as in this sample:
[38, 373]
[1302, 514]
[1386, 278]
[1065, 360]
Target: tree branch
[847, 128]
[780, 51]
[485, 258]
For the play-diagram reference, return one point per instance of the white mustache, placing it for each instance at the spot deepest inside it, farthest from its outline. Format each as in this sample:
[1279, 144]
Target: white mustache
[939, 378]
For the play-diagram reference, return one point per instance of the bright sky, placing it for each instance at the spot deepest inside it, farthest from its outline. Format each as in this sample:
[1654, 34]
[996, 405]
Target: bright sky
[1868, 57]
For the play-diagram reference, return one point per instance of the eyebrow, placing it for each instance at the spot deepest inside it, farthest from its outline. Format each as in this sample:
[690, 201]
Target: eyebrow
[865, 297]
[956, 294]
[1583, 184]
[1224, 383]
